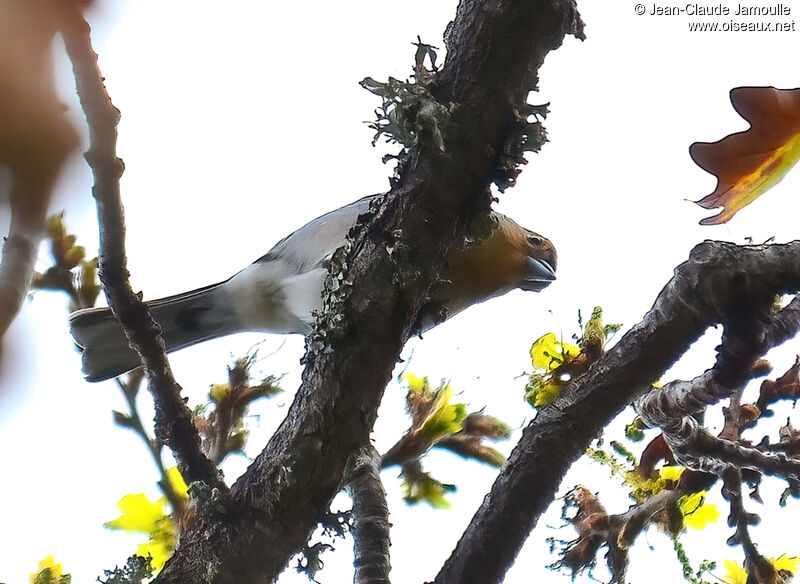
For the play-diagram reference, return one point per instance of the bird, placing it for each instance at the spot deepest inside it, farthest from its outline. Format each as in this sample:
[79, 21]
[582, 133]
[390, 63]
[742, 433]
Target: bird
[280, 291]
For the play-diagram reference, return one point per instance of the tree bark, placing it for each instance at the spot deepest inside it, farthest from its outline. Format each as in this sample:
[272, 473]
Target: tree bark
[370, 518]
[718, 285]
[174, 424]
[394, 257]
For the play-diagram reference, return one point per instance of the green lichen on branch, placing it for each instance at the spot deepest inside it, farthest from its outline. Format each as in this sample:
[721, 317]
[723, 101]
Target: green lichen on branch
[641, 488]
[335, 292]
[522, 135]
[135, 571]
[411, 116]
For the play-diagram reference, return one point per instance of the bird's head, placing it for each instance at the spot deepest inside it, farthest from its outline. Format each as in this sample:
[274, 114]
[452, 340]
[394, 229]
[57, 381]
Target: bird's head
[540, 261]
[507, 257]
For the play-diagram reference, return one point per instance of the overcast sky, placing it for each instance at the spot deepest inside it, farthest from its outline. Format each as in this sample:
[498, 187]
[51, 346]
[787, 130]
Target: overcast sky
[242, 121]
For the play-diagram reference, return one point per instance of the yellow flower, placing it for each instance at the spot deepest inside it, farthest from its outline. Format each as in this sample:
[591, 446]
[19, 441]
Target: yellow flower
[705, 514]
[671, 473]
[426, 488]
[48, 571]
[696, 513]
[138, 513]
[736, 574]
[176, 480]
[548, 353]
[141, 515]
[160, 548]
[444, 418]
[415, 383]
[786, 563]
[546, 393]
[218, 392]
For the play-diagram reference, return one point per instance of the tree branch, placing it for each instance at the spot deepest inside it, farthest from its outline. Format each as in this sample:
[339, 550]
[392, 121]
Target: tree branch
[668, 404]
[717, 285]
[370, 517]
[671, 406]
[132, 420]
[596, 528]
[395, 254]
[173, 423]
[759, 568]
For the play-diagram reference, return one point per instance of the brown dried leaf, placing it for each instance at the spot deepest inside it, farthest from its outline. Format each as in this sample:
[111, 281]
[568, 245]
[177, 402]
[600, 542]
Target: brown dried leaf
[749, 163]
[656, 451]
[787, 386]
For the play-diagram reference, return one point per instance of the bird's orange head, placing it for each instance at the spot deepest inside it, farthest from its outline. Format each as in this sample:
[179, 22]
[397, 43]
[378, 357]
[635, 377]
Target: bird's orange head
[509, 257]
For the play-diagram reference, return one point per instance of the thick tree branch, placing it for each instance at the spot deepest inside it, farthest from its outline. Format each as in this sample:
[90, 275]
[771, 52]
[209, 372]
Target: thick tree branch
[671, 406]
[173, 424]
[717, 285]
[370, 517]
[494, 51]
[666, 405]
[695, 447]
[394, 256]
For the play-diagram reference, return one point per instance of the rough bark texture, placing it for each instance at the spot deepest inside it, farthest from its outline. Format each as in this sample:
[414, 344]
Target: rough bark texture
[395, 257]
[395, 253]
[672, 406]
[719, 284]
[370, 518]
[173, 425]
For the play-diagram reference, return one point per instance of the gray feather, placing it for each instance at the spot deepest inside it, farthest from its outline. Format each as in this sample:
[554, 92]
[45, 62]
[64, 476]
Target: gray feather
[185, 319]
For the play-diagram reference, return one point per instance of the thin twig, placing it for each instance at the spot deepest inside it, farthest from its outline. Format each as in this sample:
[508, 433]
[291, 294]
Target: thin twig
[129, 390]
[173, 423]
[759, 568]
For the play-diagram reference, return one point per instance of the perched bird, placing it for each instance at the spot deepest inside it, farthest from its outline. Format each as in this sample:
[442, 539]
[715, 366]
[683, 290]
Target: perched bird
[279, 291]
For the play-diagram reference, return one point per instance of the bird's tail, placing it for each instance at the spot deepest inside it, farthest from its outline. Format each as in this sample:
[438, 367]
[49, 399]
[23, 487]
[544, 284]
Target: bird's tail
[185, 319]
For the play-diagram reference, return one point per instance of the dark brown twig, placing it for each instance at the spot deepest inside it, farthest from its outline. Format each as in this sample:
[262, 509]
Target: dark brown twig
[759, 568]
[173, 423]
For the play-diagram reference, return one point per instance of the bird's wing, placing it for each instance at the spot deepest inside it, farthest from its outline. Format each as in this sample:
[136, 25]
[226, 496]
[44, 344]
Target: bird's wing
[318, 239]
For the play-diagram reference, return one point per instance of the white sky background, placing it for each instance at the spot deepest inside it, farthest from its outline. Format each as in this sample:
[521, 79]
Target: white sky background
[243, 121]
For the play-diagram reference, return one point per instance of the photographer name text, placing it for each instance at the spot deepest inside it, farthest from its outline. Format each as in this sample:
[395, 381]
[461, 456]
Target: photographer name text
[719, 10]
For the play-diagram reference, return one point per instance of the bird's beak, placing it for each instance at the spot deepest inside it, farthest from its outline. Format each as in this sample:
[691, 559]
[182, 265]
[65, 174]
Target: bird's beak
[539, 275]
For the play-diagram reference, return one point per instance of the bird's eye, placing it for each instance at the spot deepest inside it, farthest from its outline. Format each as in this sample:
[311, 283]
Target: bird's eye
[534, 240]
